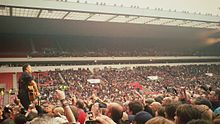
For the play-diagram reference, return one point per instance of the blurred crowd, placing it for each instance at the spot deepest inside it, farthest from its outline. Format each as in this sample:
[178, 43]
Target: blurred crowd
[108, 52]
[185, 94]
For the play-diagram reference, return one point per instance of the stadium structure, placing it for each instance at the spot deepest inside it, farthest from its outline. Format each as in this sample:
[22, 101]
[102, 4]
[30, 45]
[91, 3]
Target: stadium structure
[29, 28]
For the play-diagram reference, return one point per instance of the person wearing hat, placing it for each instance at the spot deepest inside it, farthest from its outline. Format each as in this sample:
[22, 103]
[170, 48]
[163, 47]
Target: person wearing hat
[217, 111]
[142, 117]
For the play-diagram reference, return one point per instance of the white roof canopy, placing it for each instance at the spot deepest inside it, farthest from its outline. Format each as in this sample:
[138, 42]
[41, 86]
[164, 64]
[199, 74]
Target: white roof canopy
[104, 13]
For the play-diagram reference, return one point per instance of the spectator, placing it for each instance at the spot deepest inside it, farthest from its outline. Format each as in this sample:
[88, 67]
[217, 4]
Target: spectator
[217, 111]
[203, 101]
[161, 112]
[206, 112]
[142, 117]
[115, 112]
[170, 110]
[134, 107]
[159, 120]
[20, 119]
[155, 106]
[81, 113]
[166, 101]
[199, 121]
[186, 113]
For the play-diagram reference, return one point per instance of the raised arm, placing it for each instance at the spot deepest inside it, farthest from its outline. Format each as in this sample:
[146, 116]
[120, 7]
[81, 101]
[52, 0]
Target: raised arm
[69, 115]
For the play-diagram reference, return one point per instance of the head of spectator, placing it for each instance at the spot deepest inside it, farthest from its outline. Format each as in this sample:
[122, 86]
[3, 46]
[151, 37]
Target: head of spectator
[40, 110]
[217, 111]
[44, 120]
[199, 121]
[206, 112]
[170, 111]
[49, 109]
[159, 120]
[148, 101]
[159, 99]
[155, 106]
[203, 101]
[214, 97]
[103, 119]
[161, 112]
[186, 113]
[31, 115]
[166, 101]
[148, 109]
[20, 119]
[217, 91]
[115, 112]
[7, 112]
[142, 117]
[80, 104]
[134, 107]
[58, 113]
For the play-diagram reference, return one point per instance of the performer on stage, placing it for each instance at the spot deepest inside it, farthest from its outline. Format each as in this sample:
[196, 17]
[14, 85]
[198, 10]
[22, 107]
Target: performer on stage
[28, 90]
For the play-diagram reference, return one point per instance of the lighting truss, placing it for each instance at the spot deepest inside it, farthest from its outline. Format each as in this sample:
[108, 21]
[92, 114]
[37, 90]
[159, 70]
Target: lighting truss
[22, 12]
[4, 11]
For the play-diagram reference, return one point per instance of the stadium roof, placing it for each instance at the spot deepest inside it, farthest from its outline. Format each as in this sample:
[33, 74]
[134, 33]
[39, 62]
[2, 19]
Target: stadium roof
[105, 13]
[77, 18]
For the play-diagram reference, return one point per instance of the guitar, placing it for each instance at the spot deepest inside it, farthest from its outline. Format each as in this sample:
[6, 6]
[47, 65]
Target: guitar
[33, 92]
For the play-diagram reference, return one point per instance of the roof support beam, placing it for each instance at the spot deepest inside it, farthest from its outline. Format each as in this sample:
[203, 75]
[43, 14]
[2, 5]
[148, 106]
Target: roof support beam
[111, 18]
[65, 15]
[10, 11]
[92, 14]
[38, 15]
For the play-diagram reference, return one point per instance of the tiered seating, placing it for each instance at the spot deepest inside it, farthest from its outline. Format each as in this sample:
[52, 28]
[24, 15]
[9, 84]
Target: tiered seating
[41, 44]
[12, 47]
[79, 46]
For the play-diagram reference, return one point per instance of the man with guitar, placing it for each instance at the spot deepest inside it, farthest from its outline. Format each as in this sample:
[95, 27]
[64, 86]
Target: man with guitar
[28, 90]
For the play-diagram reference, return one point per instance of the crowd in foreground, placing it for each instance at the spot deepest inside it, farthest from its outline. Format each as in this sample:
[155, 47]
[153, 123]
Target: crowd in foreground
[180, 95]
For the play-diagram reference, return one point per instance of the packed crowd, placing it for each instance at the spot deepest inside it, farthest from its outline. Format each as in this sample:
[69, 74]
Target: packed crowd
[52, 46]
[186, 94]
[103, 52]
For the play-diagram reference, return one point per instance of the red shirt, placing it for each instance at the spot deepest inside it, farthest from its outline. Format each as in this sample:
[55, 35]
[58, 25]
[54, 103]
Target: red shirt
[81, 116]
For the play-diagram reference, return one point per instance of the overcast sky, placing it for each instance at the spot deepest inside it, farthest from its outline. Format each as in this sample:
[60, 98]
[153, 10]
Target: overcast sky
[203, 6]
